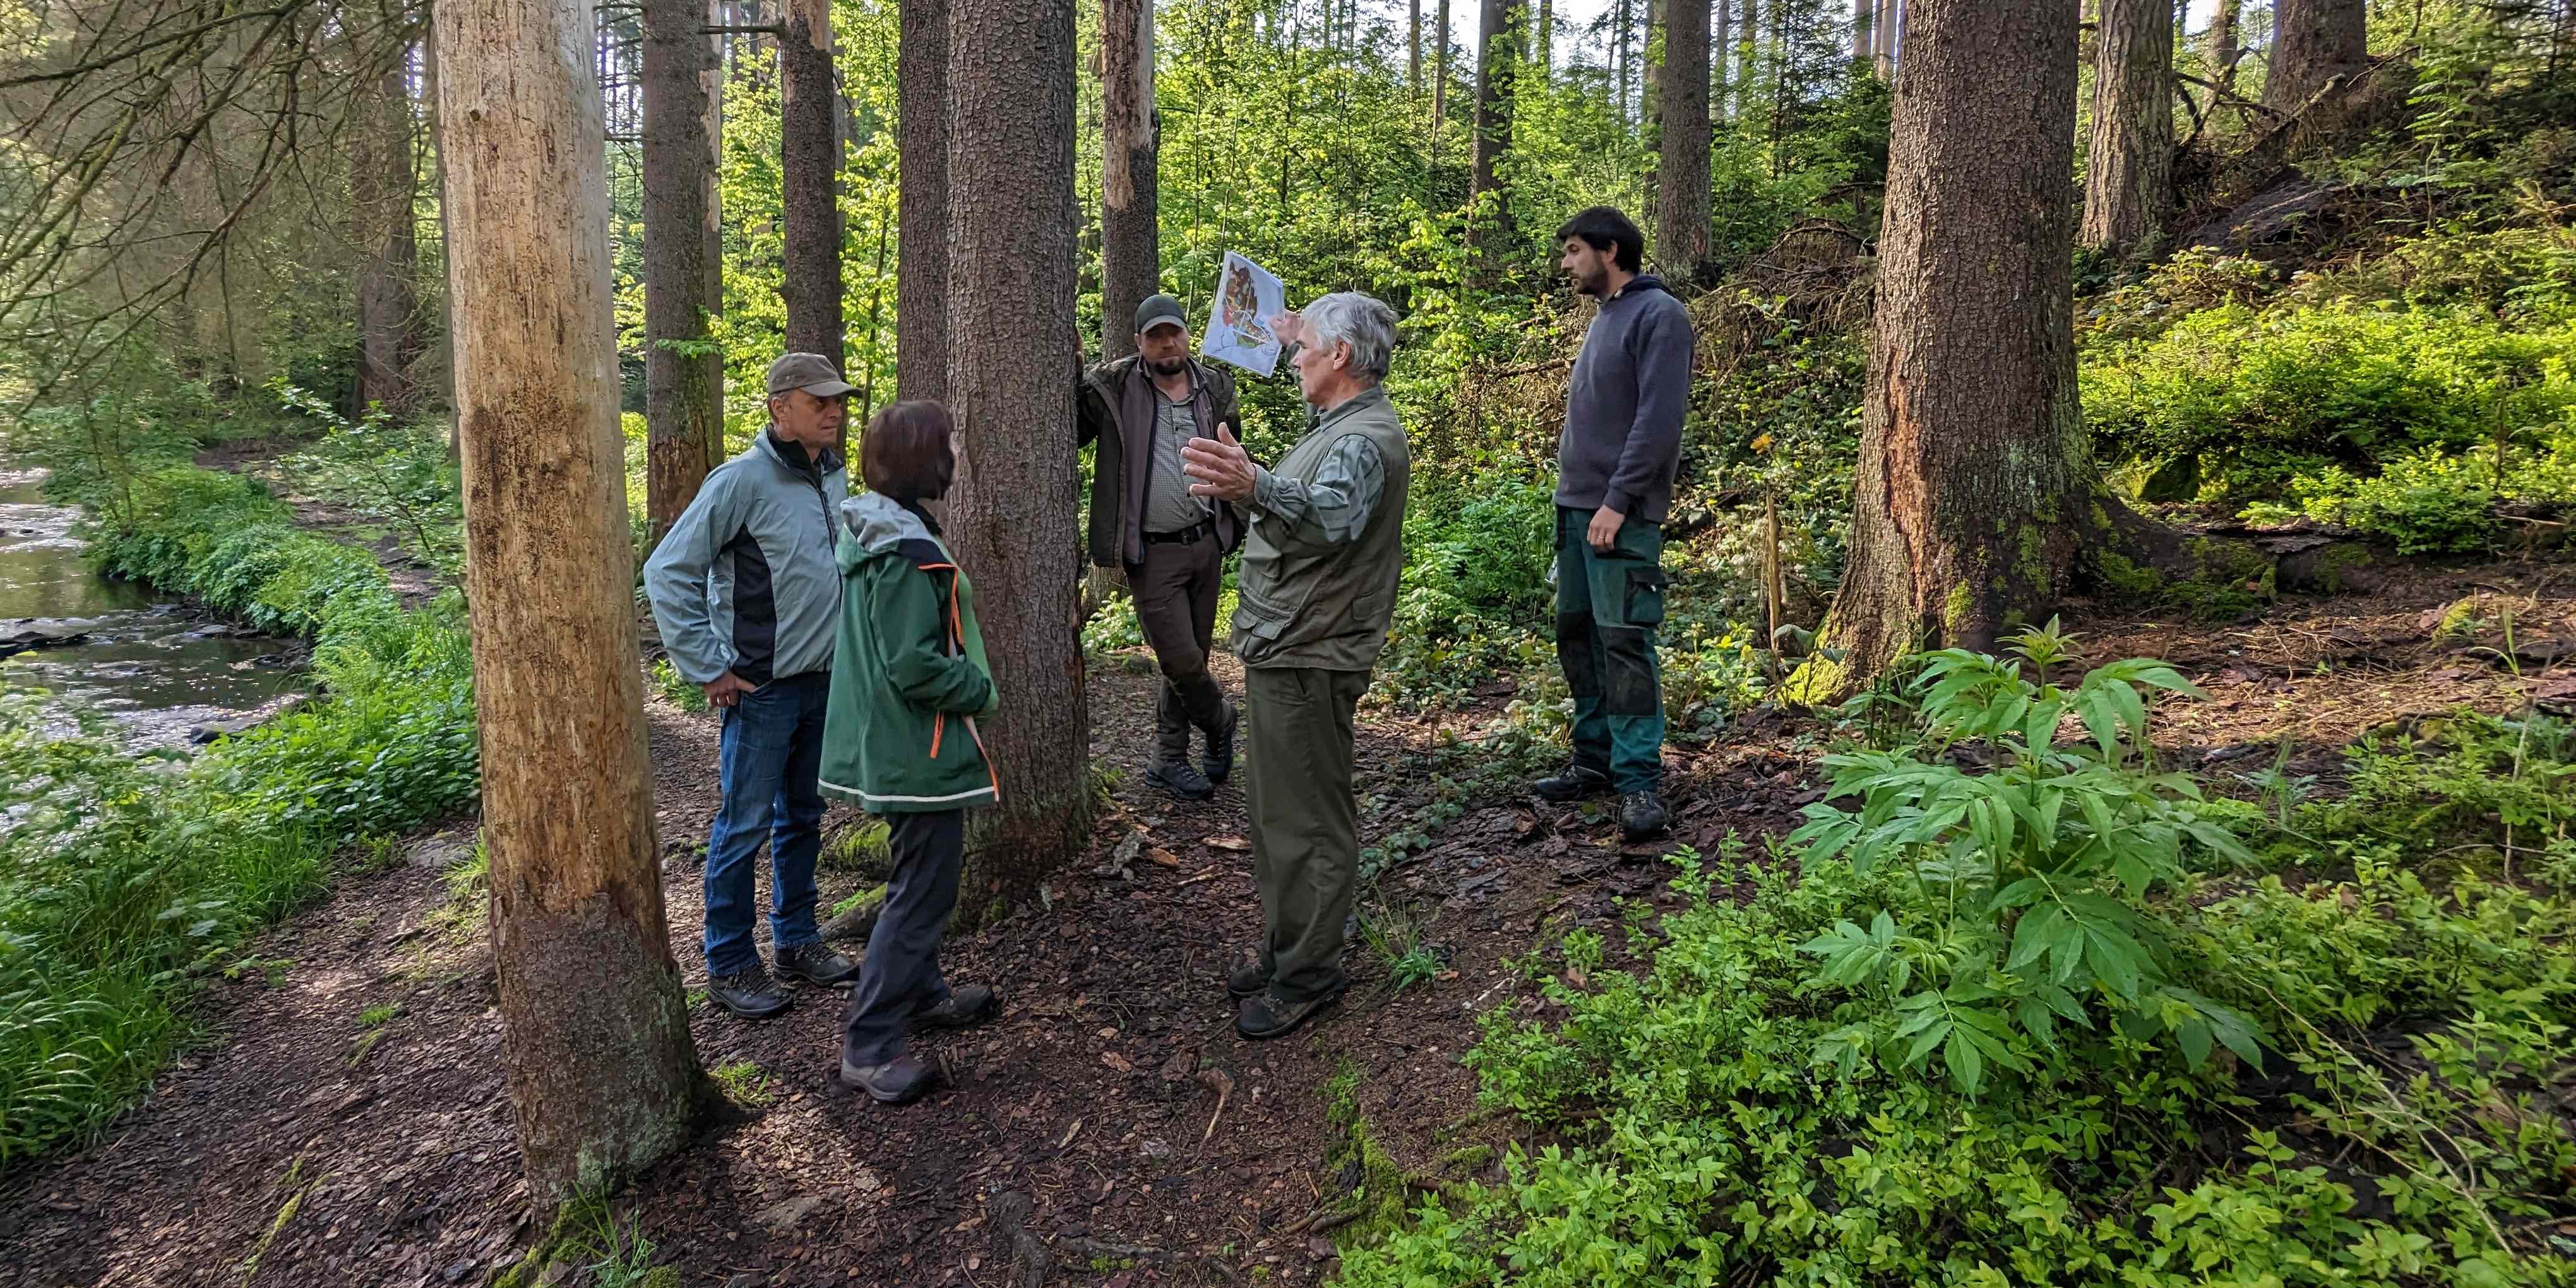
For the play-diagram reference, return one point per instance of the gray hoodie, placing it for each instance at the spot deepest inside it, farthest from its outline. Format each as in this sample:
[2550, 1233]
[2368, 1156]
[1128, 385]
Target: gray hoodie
[745, 581]
[1622, 441]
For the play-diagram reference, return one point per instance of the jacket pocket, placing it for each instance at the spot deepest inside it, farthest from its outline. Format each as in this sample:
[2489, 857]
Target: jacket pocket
[1258, 624]
[1643, 604]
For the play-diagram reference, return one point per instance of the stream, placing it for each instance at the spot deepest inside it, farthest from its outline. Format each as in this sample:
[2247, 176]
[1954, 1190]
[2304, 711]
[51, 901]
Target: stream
[163, 672]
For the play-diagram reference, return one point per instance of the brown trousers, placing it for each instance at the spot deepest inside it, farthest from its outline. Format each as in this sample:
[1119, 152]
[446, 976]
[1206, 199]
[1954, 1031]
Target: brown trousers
[1176, 590]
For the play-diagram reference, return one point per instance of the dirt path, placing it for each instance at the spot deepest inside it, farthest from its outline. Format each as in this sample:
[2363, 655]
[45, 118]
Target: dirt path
[302, 1146]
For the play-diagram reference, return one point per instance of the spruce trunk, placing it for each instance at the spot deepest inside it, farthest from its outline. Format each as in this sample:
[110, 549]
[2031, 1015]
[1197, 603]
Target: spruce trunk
[2128, 174]
[1130, 240]
[1971, 493]
[603, 1077]
[809, 174]
[921, 271]
[2313, 41]
[1011, 350]
[683, 266]
[1682, 205]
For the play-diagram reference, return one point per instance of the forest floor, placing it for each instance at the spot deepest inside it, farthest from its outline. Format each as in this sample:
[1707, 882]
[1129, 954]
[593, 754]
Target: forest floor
[310, 1139]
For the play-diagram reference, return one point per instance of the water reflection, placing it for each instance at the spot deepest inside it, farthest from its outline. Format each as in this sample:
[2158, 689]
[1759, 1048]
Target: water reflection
[158, 667]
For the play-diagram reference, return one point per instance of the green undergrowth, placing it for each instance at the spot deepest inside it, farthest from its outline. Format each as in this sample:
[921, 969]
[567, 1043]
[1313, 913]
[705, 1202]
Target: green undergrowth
[126, 880]
[2066, 1019]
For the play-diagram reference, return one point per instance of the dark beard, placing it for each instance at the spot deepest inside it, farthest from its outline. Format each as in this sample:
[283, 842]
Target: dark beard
[1172, 368]
[1597, 284]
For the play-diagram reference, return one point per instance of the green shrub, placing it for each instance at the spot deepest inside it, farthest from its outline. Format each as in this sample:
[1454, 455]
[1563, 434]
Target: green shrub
[1757, 1102]
[2250, 398]
[2432, 503]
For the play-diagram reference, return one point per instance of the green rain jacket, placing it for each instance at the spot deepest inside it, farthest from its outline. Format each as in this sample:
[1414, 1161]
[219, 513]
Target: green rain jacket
[909, 677]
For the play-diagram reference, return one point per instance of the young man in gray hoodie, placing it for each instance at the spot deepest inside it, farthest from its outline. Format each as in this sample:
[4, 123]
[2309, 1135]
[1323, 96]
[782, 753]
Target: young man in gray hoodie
[1616, 458]
[747, 596]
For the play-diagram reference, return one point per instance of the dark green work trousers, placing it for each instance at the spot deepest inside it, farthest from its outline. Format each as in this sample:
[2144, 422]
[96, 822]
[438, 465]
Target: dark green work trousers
[1608, 604]
[1305, 820]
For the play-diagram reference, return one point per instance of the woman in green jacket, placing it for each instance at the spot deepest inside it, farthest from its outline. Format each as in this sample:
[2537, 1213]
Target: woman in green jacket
[900, 740]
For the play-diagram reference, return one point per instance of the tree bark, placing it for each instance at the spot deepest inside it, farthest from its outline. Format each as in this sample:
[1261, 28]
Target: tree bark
[2313, 42]
[921, 272]
[1413, 65]
[1011, 354]
[602, 1074]
[1498, 56]
[1650, 100]
[683, 260]
[1682, 208]
[809, 174]
[1721, 33]
[1440, 74]
[1972, 480]
[2128, 172]
[1862, 12]
[1131, 265]
[2223, 50]
[1882, 38]
[384, 185]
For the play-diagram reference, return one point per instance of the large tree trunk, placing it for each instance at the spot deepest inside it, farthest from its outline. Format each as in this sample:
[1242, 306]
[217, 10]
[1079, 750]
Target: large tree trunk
[2313, 41]
[1882, 38]
[809, 173]
[384, 183]
[1682, 205]
[595, 1034]
[2128, 174]
[1972, 480]
[2223, 49]
[1498, 56]
[921, 273]
[683, 264]
[1012, 352]
[1131, 265]
[1650, 100]
[1862, 12]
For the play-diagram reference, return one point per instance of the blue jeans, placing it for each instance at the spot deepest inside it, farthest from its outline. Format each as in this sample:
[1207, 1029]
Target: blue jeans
[772, 751]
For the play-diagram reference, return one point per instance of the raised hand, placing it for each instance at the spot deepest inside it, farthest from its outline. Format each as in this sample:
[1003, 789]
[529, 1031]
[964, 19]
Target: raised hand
[1219, 467]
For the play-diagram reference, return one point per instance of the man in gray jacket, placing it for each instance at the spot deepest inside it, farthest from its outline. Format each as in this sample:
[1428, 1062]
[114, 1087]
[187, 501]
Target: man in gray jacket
[747, 596]
[1615, 462]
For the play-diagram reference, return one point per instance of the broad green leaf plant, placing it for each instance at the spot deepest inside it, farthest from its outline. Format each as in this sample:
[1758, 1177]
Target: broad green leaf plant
[2039, 877]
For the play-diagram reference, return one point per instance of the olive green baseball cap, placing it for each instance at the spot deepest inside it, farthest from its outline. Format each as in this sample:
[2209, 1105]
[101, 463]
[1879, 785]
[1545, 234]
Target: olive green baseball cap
[811, 372]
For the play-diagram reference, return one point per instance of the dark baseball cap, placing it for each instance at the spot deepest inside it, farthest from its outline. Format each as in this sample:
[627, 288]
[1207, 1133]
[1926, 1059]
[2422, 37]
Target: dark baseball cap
[1157, 310]
[811, 372]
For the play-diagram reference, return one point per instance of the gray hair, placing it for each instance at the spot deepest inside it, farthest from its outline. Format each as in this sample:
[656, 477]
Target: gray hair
[1364, 321]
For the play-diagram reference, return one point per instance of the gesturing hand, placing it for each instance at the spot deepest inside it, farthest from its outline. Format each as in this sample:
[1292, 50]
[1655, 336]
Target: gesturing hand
[726, 689]
[1290, 328]
[1218, 467]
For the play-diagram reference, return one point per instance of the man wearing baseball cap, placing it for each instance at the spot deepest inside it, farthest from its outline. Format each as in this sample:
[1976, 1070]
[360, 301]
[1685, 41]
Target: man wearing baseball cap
[1142, 410]
[747, 597]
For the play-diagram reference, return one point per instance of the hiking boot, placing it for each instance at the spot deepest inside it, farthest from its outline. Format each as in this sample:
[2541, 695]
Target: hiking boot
[1219, 763]
[749, 993]
[1182, 781]
[815, 963]
[1265, 1015]
[899, 1081]
[1641, 815]
[1577, 783]
[962, 1009]
[1246, 980]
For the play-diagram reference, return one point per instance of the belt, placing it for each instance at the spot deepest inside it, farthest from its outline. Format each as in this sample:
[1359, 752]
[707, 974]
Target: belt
[1202, 528]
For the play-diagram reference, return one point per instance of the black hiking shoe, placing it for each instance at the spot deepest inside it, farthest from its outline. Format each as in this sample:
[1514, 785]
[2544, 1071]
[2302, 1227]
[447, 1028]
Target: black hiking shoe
[1219, 764]
[1265, 1015]
[816, 964]
[1247, 980]
[749, 993]
[1182, 781]
[1641, 815]
[1577, 783]
[962, 1009]
[899, 1081]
